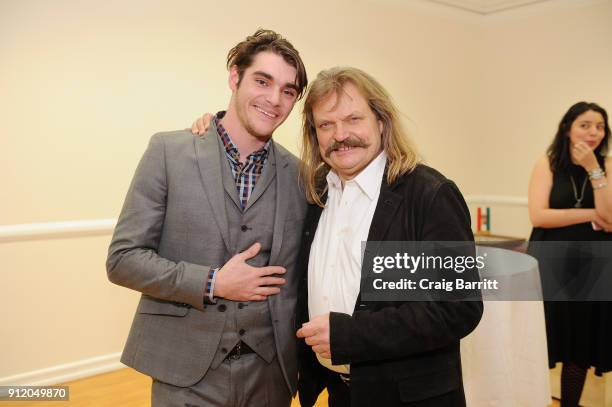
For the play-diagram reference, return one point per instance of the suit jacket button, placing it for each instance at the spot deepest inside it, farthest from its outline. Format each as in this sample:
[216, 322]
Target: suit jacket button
[224, 350]
[222, 308]
[244, 228]
[241, 332]
[240, 305]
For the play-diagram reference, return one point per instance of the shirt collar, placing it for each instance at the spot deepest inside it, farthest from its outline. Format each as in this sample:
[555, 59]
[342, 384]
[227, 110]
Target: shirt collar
[229, 145]
[368, 180]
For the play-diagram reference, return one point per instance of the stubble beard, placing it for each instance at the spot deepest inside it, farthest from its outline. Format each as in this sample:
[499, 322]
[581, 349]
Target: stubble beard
[244, 120]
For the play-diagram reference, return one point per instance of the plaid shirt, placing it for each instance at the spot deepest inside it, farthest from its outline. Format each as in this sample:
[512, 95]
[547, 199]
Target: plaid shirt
[245, 176]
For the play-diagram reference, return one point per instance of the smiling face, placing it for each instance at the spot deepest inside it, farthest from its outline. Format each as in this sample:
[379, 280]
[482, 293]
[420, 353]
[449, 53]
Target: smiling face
[264, 96]
[589, 128]
[348, 133]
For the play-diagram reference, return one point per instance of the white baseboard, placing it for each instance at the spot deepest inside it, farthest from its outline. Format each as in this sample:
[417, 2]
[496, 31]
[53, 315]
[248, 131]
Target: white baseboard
[66, 372]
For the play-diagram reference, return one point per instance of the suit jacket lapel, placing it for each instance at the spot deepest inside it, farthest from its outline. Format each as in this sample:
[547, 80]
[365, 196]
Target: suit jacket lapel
[209, 156]
[283, 181]
[312, 222]
[268, 175]
[229, 183]
[384, 214]
[388, 204]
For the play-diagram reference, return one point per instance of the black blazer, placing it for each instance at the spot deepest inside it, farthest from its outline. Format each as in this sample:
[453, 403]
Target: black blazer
[401, 352]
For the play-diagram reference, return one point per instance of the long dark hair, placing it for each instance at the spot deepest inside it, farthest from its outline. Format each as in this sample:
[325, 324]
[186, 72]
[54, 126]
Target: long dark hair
[559, 150]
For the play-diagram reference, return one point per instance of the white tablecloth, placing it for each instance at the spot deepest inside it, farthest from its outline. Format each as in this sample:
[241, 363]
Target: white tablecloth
[505, 361]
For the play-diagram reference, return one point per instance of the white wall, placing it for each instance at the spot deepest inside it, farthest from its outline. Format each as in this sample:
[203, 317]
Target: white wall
[84, 84]
[539, 61]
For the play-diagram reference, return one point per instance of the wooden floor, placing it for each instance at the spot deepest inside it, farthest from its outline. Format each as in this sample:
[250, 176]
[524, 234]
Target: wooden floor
[122, 388]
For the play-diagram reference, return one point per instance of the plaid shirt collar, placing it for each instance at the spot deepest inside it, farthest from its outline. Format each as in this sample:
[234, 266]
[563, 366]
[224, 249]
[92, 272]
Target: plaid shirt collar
[231, 150]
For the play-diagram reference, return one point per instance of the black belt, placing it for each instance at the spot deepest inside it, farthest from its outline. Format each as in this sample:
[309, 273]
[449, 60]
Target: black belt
[240, 349]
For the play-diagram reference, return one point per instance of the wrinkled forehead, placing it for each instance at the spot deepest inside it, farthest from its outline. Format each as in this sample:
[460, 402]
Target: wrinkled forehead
[339, 100]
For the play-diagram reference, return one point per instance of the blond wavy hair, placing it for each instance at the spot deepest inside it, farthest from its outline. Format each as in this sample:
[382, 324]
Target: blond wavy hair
[402, 156]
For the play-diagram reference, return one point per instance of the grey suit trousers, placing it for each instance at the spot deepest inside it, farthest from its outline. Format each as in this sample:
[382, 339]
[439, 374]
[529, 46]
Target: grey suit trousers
[245, 382]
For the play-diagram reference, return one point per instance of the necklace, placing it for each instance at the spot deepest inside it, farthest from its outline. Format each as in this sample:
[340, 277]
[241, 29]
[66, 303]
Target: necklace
[578, 199]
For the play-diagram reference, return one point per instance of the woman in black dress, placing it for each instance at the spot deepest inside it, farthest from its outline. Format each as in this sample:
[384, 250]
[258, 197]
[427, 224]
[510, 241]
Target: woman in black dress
[570, 200]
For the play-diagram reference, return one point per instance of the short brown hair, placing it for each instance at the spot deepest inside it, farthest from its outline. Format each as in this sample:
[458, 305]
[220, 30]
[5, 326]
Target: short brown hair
[243, 53]
[402, 156]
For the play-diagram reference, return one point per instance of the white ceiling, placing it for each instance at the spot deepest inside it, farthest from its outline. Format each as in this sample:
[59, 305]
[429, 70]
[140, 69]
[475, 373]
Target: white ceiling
[485, 7]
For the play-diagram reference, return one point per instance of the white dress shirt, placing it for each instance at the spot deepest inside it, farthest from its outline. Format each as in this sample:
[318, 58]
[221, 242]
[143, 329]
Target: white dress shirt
[334, 264]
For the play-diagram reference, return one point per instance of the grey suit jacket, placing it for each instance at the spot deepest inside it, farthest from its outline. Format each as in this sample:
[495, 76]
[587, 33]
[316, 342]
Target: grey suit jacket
[172, 229]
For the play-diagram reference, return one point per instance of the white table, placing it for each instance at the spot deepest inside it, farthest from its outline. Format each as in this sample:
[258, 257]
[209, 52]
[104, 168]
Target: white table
[505, 360]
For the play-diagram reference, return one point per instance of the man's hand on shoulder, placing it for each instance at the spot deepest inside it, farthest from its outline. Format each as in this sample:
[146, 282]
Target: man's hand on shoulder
[238, 281]
[201, 125]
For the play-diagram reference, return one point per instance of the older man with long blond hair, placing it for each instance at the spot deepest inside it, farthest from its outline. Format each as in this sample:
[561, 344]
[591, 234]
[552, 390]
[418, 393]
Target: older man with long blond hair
[364, 182]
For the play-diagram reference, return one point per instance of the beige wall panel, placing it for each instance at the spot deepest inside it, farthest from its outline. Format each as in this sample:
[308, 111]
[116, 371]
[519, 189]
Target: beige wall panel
[57, 305]
[86, 83]
[538, 63]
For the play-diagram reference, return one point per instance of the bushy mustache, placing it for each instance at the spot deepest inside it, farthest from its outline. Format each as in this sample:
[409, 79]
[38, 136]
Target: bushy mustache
[348, 142]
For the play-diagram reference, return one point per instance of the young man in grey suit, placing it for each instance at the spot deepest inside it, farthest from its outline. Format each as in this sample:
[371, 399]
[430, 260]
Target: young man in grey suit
[209, 234]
